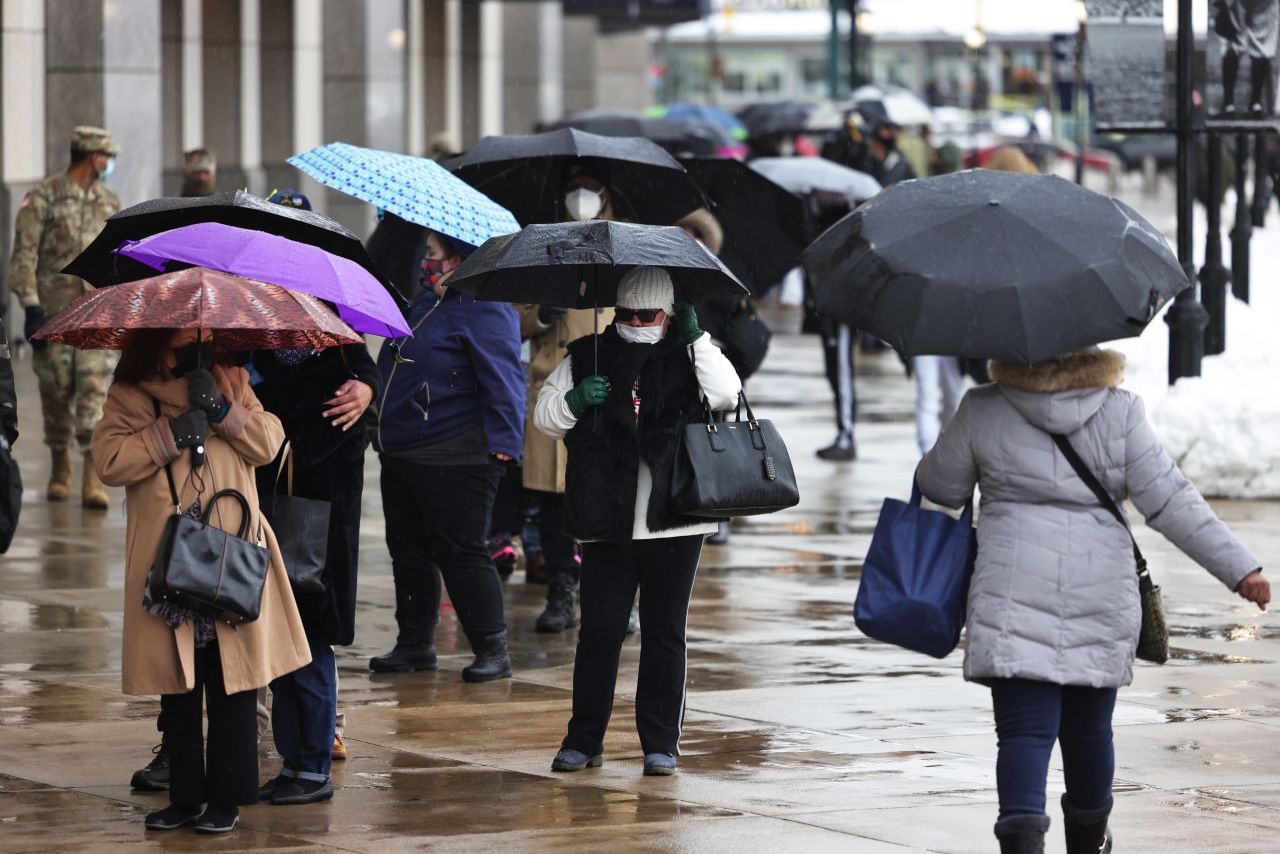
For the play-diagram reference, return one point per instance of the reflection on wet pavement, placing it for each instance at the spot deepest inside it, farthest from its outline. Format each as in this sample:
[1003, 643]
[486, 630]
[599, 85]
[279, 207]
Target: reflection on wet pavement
[801, 734]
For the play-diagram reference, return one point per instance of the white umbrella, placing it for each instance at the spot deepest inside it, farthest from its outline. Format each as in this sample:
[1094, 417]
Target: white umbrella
[805, 174]
[902, 106]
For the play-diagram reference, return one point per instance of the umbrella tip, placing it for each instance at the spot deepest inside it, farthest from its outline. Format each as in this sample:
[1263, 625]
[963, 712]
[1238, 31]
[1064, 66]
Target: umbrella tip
[995, 203]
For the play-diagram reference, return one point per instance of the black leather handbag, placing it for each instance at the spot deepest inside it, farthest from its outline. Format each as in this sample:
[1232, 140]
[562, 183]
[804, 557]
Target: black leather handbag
[301, 526]
[745, 338]
[207, 570]
[732, 468]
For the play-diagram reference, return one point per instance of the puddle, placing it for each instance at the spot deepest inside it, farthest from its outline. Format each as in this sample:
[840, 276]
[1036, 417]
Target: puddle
[1179, 657]
[1232, 633]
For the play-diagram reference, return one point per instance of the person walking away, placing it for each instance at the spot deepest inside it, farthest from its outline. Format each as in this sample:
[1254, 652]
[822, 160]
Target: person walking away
[161, 403]
[621, 413]
[839, 341]
[321, 400]
[1248, 28]
[451, 416]
[199, 173]
[1054, 611]
[55, 222]
[549, 331]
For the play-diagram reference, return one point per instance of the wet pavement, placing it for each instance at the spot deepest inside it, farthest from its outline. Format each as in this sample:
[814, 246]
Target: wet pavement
[801, 734]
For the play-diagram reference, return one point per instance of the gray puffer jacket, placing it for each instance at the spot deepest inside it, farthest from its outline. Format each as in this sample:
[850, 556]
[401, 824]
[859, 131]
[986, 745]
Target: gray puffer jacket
[1054, 596]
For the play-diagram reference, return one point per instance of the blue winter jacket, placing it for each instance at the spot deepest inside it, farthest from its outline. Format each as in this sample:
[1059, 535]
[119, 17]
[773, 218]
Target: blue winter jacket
[465, 373]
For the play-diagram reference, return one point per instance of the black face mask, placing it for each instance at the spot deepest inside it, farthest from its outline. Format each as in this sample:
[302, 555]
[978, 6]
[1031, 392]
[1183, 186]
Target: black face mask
[190, 357]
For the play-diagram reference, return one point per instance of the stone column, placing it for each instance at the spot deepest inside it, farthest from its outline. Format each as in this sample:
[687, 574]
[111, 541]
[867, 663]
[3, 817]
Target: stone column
[22, 126]
[490, 59]
[415, 92]
[436, 54]
[579, 63]
[222, 89]
[384, 75]
[182, 86]
[102, 66]
[533, 65]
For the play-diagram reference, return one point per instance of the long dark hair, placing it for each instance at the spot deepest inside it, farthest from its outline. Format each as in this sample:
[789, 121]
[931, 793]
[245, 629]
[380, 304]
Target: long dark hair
[143, 356]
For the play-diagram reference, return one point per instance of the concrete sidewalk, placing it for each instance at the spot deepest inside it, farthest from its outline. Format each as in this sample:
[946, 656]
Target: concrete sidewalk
[801, 734]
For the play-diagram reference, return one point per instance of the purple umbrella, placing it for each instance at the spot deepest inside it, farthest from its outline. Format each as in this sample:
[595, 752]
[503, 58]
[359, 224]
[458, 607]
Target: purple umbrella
[361, 299]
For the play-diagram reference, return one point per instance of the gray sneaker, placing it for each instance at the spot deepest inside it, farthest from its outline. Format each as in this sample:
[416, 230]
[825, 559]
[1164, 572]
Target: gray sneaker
[659, 765]
[575, 760]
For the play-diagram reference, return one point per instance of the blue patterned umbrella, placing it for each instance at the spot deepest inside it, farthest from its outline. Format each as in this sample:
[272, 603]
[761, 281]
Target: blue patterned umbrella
[412, 188]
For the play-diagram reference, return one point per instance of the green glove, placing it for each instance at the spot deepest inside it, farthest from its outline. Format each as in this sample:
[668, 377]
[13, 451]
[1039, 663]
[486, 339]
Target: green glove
[687, 322]
[592, 391]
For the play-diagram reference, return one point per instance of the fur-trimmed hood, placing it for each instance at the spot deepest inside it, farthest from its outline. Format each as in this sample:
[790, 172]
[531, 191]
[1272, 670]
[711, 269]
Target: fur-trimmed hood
[1093, 368]
[1060, 395]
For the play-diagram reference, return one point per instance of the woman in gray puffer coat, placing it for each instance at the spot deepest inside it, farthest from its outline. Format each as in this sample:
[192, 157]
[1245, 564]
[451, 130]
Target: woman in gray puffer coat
[1054, 611]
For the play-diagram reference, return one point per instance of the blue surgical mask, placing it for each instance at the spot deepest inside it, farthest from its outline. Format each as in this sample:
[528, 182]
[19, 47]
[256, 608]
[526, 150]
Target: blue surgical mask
[111, 167]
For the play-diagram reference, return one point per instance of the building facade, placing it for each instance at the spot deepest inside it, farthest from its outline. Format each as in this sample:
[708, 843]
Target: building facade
[259, 80]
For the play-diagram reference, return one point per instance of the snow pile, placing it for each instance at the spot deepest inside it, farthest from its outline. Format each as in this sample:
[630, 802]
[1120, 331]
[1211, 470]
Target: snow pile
[1223, 427]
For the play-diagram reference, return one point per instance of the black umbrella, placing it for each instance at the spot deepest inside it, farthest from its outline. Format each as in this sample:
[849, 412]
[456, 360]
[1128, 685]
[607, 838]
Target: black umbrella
[579, 264]
[525, 174]
[771, 118]
[99, 264]
[993, 265]
[766, 226]
[682, 135]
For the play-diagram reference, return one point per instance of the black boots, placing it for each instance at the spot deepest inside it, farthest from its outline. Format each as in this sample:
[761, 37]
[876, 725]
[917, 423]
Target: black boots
[1087, 831]
[405, 658]
[492, 661]
[562, 611]
[154, 777]
[1022, 834]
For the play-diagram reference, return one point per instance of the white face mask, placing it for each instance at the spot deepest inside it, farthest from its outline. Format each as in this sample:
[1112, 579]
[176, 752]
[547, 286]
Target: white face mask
[641, 334]
[583, 205]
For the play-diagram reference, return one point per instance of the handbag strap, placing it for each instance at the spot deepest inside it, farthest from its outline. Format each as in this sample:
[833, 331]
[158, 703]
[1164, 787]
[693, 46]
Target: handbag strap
[168, 473]
[966, 513]
[245, 511]
[1108, 503]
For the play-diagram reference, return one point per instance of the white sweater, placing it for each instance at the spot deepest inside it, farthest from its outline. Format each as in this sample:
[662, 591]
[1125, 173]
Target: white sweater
[720, 386]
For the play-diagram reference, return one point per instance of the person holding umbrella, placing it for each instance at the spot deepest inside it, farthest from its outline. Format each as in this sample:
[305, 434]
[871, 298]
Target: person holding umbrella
[1059, 601]
[172, 393]
[450, 417]
[643, 379]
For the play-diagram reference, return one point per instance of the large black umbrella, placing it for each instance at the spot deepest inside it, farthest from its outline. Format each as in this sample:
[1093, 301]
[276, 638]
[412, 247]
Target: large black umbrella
[681, 135]
[766, 226]
[579, 264]
[770, 118]
[525, 174]
[993, 265]
[99, 265]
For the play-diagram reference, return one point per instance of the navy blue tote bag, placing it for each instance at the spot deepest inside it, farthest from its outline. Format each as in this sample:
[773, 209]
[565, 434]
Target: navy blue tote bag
[915, 581]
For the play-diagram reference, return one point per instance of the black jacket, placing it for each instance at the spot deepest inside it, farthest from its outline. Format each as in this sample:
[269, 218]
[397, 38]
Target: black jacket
[604, 452]
[328, 465]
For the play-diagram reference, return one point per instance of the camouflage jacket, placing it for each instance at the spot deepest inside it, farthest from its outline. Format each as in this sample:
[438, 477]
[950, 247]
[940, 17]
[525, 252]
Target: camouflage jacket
[55, 222]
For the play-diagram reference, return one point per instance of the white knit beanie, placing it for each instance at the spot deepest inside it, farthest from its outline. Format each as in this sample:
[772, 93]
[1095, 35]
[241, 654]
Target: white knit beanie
[646, 287]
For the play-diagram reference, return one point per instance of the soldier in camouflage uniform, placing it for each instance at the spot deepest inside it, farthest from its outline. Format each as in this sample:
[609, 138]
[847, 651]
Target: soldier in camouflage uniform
[55, 222]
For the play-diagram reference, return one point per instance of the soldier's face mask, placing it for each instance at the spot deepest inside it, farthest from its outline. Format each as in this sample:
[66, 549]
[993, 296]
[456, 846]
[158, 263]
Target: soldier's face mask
[190, 357]
[108, 169]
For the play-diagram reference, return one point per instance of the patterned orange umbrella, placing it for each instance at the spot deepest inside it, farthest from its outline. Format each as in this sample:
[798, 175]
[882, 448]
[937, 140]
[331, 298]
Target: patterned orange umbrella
[246, 314]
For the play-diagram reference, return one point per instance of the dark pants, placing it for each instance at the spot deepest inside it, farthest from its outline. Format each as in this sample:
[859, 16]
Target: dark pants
[437, 518]
[838, 341]
[304, 708]
[1030, 716]
[224, 769]
[557, 545]
[663, 569]
[508, 504]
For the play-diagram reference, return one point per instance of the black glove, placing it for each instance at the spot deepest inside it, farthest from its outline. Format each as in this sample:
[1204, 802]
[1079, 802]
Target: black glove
[190, 429]
[549, 314]
[35, 319]
[202, 392]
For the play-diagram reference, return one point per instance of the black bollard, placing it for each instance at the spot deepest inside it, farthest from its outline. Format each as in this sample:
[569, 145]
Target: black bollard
[1242, 232]
[1213, 275]
[1186, 317]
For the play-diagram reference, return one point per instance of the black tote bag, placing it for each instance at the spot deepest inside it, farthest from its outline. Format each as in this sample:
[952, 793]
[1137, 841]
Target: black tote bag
[732, 468]
[206, 569]
[301, 526]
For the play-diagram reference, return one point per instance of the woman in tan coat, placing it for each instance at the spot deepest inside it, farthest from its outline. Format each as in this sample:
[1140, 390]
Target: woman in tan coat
[160, 404]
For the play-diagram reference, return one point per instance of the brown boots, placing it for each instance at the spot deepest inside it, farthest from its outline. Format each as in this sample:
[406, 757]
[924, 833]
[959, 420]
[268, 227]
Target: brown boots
[59, 475]
[92, 493]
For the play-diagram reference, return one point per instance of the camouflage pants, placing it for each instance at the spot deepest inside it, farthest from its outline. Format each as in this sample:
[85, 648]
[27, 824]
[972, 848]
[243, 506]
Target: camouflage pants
[73, 387]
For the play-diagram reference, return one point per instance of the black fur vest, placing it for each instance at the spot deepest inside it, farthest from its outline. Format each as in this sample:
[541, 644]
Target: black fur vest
[605, 451]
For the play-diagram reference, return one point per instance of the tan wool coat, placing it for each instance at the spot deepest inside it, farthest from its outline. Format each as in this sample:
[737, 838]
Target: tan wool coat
[544, 458]
[130, 448]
